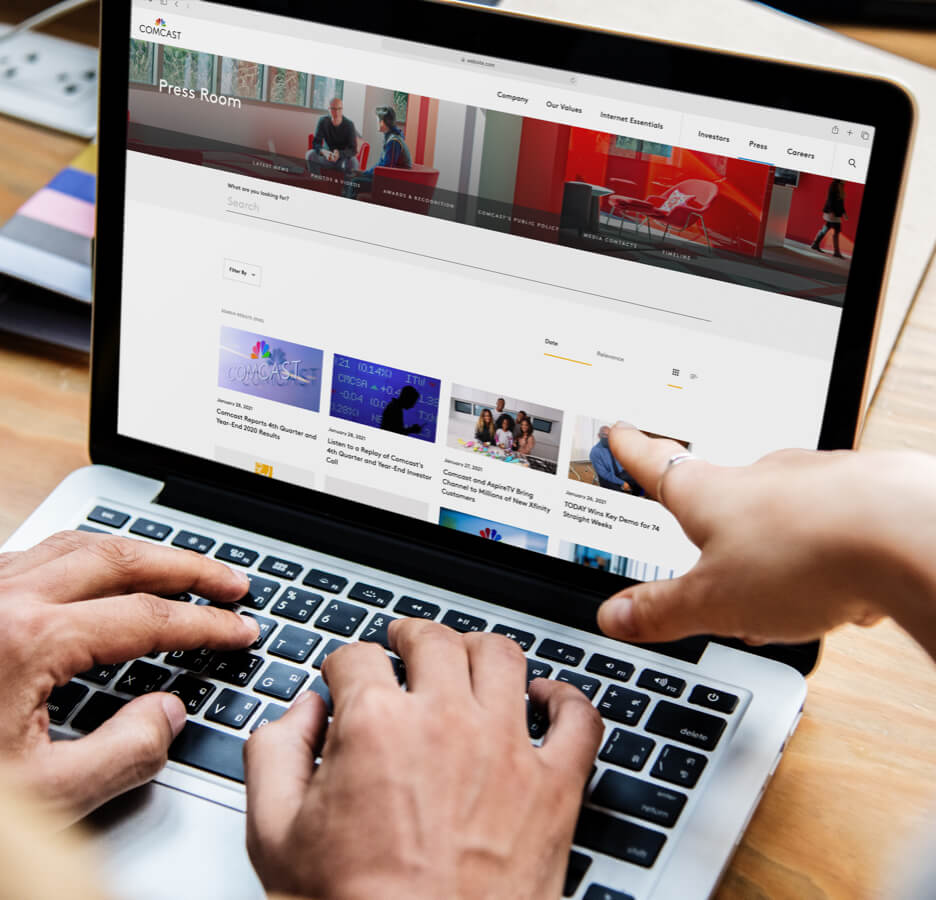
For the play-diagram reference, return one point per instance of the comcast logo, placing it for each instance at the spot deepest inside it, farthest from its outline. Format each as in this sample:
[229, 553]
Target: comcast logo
[261, 350]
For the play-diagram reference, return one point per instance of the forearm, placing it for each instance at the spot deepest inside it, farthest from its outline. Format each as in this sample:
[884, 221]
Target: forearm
[903, 517]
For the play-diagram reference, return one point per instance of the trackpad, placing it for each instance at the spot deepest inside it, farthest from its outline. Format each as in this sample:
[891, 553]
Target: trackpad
[158, 842]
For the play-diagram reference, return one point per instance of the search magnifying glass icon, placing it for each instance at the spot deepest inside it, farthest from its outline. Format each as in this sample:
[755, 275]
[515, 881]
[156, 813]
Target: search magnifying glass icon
[852, 163]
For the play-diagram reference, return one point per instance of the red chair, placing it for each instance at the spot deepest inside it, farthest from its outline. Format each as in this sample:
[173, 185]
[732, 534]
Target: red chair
[408, 189]
[678, 207]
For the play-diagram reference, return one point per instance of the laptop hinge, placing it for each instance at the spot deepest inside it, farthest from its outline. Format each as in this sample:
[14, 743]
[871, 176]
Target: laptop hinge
[400, 556]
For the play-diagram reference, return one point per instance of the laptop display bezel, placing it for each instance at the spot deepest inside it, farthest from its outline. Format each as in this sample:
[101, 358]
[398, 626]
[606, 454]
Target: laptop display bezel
[880, 104]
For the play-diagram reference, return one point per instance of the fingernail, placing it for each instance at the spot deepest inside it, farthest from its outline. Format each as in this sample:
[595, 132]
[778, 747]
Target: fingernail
[250, 625]
[239, 579]
[175, 713]
[623, 424]
[617, 616]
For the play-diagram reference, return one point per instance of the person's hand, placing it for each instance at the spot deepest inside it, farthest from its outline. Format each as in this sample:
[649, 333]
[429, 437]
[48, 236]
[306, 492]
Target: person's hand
[792, 546]
[65, 607]
[433, 792]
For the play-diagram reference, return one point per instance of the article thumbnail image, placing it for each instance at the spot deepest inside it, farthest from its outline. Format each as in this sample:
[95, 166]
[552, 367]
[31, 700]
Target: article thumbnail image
[614, 563]
[490, 530]
[504, 428]
[379, 396]
[270, 368]
[593, 463]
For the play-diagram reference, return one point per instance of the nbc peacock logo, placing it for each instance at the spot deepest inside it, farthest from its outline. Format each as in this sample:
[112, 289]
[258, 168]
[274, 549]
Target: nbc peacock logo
[491, 534]
[160, 22]
[261, 350]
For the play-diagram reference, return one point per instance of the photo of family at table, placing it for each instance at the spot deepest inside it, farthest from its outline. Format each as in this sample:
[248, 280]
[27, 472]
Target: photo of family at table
[505, 428]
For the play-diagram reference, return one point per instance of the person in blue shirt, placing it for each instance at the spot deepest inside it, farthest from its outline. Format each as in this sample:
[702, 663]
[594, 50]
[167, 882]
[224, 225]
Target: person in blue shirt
[607, 469]
[395, 155]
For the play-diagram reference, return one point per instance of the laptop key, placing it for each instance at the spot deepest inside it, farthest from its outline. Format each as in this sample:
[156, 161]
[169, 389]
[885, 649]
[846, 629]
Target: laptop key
[559, 651]
[416, 609]
[537, 721]
[399, 669]
[341, 618]
[90, 528]
[688, 726]
[720, 701]
[232, 708]
[322, 690]
[575, 872]
[239, 556]
[101, 674]
[142, 678]
[463, 622]
[537, 669]
[148, 528]
[329, 648]
[376, 630]
[235, 667]
[188, 540]
[627, 749]
[618, 838]
[294, 643]
[661, 683]
[97, 711]
[193, 692]
[588, 686]
[260, 592]
[623, 705]
[523, 638]
[325, 581]
[618, 669]
[272, 565]
[640, 799]
[103, 515]
[63, 700]
[210, 750]
[266, 626]
[271, 712]
[600, 892]
[296, 604]
[367, 593]
[193, 660]
[281, 681]
[678, 766]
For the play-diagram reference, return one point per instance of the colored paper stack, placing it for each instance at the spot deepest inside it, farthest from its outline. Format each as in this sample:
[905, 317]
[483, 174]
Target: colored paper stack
[48, 241]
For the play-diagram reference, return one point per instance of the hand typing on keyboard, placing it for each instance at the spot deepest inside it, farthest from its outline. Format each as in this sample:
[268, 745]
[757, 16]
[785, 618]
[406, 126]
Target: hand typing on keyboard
[433, 792]
[79, 600]
[792, 546]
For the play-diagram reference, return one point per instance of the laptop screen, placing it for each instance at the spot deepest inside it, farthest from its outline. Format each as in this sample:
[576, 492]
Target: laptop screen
[428, 281]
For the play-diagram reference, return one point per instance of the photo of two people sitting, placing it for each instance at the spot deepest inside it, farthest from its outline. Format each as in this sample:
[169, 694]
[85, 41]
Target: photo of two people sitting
[335, 147]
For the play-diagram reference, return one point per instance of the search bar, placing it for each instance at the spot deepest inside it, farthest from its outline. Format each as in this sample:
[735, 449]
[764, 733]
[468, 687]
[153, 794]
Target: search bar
[851, 163]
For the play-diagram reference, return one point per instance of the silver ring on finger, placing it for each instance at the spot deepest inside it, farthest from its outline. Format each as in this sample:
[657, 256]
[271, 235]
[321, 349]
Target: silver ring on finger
[675, 460]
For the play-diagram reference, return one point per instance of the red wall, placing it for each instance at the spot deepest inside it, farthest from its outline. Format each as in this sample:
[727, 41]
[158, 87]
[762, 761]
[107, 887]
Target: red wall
[541, 165]
[806, 208]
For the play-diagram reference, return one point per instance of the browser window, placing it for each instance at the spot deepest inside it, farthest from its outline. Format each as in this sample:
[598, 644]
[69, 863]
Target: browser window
[429, 282]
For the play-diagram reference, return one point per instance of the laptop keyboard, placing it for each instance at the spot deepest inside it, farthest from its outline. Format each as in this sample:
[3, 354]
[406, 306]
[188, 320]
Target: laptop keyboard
[661, 728]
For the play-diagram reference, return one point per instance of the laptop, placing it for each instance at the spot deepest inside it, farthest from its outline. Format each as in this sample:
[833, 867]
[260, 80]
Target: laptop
[376, 380]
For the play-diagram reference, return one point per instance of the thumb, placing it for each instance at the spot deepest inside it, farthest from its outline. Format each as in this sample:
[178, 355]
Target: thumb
[656, 611]
[123, 753]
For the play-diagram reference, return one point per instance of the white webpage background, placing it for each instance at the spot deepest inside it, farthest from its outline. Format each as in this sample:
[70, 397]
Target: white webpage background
[763, 359]
[745, 27]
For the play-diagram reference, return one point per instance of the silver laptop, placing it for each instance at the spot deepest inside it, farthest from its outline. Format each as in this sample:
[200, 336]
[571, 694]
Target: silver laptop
[369, 287]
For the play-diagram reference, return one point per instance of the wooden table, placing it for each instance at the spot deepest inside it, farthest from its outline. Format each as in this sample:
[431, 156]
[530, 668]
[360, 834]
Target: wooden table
[858, 777]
